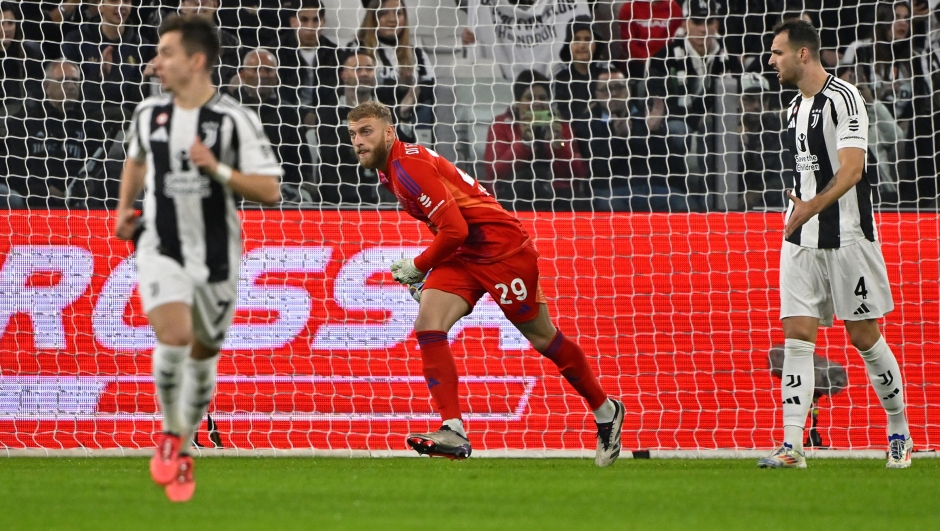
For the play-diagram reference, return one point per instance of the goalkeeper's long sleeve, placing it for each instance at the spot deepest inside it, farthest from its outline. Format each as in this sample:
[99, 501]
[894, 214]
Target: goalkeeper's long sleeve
[452, 230]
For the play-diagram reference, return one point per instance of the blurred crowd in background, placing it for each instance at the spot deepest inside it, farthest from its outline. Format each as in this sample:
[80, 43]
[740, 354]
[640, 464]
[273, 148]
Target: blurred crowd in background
[642, 105]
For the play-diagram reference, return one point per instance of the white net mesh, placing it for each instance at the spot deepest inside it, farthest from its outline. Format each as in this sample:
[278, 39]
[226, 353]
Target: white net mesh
[654, 197]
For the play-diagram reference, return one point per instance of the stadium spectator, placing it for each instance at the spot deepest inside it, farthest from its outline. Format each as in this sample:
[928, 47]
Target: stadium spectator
[229, 59]
[884, 135]
[256, 22]
[342, 181]
[532, 162]
[761, 146]
[840, 24]
[627, 150]
[747, 29]
[52, 151]
[922, 23]
[256, 87]
[762, 65]
[687, 74]
[926, 124]
[12, 60]
[112, 57]
[309, 63]
[886, 66]
[521, 35]
[580, 55]
[46, 24]
[645, 27]
[386, 36]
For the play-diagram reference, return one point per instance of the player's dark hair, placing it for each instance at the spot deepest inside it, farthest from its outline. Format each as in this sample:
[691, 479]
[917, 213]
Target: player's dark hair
[371, 109]
[802, 34]
[528, 79]
[309, 4]
[603, 68]
[197, 35]
[16, 49]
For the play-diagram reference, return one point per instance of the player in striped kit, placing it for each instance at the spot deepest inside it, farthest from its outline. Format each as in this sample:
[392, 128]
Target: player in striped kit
[831, 260]
[478, 248]
[191, 152]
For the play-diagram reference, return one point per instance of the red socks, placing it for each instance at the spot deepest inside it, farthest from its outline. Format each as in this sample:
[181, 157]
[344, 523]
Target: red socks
[440, 372]
[573, 365]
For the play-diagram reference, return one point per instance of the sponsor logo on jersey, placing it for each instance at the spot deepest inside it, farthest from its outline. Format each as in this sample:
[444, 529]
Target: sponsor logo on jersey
[181, 185]
[801, 140]
[806, 163]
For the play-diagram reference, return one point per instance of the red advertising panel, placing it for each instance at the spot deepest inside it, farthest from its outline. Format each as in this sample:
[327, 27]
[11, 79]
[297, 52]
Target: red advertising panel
[678, 313]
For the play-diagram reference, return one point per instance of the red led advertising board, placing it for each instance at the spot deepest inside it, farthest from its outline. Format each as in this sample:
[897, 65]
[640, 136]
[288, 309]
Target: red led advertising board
[677, 313]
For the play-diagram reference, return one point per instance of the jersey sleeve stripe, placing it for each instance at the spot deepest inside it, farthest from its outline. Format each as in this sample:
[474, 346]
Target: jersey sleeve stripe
[850, 103]
[240, 114]
[406, 179]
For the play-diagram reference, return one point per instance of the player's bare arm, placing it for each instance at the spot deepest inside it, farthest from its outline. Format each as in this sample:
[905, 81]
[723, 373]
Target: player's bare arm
[264, 189]
[851, 162]
[132, 183]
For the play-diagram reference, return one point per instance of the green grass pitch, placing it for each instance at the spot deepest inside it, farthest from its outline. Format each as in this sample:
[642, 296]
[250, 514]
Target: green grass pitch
[280, 494]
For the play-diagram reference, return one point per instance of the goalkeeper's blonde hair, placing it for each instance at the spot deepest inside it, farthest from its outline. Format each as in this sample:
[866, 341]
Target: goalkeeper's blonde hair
[371, 109]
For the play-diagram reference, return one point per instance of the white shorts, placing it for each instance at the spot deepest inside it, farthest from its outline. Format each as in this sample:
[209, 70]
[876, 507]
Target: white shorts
[851, 280]
[162, 280]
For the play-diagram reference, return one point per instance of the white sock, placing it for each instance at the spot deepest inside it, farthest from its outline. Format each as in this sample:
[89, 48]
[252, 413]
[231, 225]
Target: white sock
[605, 413]
[794, 434]
[457, 426]
[198, 386]
[885, 375]
[167, 378]
[796, 389]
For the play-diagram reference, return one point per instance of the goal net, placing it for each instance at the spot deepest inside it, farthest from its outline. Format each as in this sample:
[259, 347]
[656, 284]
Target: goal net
[655, 198]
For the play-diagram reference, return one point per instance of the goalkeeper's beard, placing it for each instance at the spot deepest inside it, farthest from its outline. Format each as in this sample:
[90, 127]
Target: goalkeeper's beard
[379, 155]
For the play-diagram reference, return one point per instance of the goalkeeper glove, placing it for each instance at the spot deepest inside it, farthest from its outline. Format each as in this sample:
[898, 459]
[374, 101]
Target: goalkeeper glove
[405, 272]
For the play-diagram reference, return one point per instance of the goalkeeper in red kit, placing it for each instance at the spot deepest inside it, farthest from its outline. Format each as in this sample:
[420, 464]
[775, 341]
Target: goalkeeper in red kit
[478, 248]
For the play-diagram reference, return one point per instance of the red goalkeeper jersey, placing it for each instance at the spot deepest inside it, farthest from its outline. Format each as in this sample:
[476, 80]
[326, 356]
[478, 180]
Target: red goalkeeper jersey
[465, 219]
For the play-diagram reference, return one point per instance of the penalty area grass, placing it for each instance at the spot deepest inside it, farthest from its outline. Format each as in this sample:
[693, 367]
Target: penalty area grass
[478, 494]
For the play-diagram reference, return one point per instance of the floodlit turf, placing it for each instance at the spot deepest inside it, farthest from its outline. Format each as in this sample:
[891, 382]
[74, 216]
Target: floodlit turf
[278, 494]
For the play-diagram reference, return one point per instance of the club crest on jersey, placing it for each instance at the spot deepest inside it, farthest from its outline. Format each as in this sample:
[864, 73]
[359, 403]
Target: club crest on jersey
[210, 133]
[814, 117]
[802, 141]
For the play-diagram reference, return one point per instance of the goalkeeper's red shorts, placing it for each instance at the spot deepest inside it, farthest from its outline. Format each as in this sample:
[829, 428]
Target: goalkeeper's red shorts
[513, 283]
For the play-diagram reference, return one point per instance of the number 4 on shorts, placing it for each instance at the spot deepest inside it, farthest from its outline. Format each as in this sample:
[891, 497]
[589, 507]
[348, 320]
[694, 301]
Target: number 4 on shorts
[860, 290]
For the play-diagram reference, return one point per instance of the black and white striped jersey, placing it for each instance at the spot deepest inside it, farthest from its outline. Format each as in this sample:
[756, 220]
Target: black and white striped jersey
[187, 215]
[817, 128]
